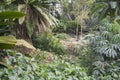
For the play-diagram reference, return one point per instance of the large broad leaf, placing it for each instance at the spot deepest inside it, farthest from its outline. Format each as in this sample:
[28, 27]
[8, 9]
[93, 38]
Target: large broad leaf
[11, 15]
[7, 42]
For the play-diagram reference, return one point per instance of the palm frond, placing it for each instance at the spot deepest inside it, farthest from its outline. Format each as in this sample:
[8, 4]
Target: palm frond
[98, 7]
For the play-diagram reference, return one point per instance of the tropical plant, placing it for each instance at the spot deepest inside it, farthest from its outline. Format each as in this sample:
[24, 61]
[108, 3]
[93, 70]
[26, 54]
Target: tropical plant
[48, 42]
[104, 8]
[7, 41]
[20, 67]
[85, 53]
[62, 36]
[17, 66]
[62, 70]
[106, 70]
[38, 18]
[106, 42]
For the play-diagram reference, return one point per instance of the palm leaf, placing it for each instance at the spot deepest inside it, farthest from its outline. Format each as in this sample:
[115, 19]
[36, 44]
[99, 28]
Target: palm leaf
[103, 13]
[98, 7]
[44, 19]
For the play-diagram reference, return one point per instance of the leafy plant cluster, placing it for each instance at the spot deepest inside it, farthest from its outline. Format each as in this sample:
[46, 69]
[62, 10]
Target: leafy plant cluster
[66, 27]
[48, 42]
[105, 43]
[62, 70]
[62, 36]
[106, 70]
[38, 16]
[6, 19]
[85, 54]
[20, 67]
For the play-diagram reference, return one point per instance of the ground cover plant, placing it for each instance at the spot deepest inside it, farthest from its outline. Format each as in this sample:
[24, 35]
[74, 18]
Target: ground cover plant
[21, 67]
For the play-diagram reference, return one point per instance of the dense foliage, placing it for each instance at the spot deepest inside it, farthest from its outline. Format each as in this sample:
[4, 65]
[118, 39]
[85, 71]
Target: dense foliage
[45, 24]
[21, 67]
[7, 41]
[48, 42]
[105, 42]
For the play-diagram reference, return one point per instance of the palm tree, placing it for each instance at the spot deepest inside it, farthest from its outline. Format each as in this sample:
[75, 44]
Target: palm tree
[38, 18]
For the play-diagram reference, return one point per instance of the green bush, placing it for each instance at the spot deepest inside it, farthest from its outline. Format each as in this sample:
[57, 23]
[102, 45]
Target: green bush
[66, 27]
[85, 56]
[21, 67]
[62, 70]
[106, 70]
[49, 42]
[61, 36]
[18, 67]
[105, 43]
[60, 28]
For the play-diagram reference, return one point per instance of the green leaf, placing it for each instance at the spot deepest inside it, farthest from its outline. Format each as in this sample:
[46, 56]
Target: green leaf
[11, 15]
[7, 42]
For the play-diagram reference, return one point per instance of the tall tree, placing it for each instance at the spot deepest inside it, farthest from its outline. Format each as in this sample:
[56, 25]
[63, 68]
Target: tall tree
[76, 11]
[81, 9]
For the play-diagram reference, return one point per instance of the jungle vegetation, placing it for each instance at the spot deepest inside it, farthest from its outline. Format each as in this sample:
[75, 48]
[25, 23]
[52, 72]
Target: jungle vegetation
[73, 39]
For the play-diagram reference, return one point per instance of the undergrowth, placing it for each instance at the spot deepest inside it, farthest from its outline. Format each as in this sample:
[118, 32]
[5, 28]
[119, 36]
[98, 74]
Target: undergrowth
[20, 67]
[49, 43]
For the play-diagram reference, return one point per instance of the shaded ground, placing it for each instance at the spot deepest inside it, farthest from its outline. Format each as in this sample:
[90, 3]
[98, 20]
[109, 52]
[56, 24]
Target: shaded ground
[70, 43]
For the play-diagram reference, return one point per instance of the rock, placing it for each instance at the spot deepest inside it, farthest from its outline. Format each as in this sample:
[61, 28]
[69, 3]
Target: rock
[24, 47]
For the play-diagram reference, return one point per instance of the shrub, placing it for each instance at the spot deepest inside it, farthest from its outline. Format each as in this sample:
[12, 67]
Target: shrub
[85, 55]
[62, 70]
[105, 43]
[49, 42]
[67, 27]
[106, 70]
[18, 67]
[61, 36]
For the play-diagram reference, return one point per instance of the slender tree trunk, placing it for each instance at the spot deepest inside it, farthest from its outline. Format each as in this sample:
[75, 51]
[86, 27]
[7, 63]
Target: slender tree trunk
[77, 32]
